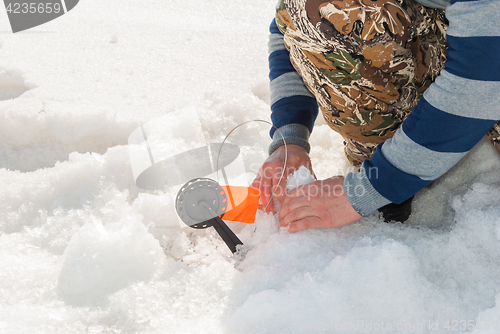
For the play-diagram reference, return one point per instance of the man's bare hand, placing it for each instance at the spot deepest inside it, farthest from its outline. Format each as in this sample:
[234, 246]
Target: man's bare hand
[321, 204]
[270, 173]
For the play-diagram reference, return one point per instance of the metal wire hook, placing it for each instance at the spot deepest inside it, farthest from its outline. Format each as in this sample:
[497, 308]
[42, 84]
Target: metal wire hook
[286, 154]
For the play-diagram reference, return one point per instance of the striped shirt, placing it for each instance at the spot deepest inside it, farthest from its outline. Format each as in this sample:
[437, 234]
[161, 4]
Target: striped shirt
[457, 110]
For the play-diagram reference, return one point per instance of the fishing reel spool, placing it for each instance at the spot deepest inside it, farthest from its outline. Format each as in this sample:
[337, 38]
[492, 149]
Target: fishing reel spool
[170, 154]
[201, 203]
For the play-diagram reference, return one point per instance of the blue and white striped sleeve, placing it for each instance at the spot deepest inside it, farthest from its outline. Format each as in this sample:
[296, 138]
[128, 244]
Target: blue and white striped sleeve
[293, 107]
[457, 110]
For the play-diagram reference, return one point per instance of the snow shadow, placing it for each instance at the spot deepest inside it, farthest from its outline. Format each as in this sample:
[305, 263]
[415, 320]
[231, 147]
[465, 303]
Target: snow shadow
[12, 84]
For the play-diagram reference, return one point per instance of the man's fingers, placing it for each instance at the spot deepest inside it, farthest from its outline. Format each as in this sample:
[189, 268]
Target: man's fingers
[279, 187]
[306, 191]
[273, 191]
[265, 193]
[291, 204]
[297, 214]
[294, 193]
[256, 182]
[304, 224]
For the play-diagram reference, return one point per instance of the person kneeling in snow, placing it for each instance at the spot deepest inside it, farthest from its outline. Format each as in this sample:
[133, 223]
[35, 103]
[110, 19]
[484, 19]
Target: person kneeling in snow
[366, 64]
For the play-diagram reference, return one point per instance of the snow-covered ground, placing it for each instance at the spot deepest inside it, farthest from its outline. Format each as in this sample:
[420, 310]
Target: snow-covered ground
[77, 251]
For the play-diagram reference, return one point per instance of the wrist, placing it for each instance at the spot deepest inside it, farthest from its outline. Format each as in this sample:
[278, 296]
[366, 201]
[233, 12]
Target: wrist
[291, 134]
[362, 195]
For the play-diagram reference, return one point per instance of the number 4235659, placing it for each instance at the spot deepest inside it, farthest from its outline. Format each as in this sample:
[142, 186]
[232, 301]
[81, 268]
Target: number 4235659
[25, 8]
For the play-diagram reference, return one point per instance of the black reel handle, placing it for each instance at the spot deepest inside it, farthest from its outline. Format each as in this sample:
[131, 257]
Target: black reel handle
[226, 234]
[224, 231]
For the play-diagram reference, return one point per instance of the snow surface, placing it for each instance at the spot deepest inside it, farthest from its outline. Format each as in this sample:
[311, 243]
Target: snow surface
[79, 251]
[300, 177]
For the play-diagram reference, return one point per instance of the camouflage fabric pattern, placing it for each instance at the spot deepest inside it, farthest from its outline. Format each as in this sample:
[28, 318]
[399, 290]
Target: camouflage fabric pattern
[366, 62]
[494, 136]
